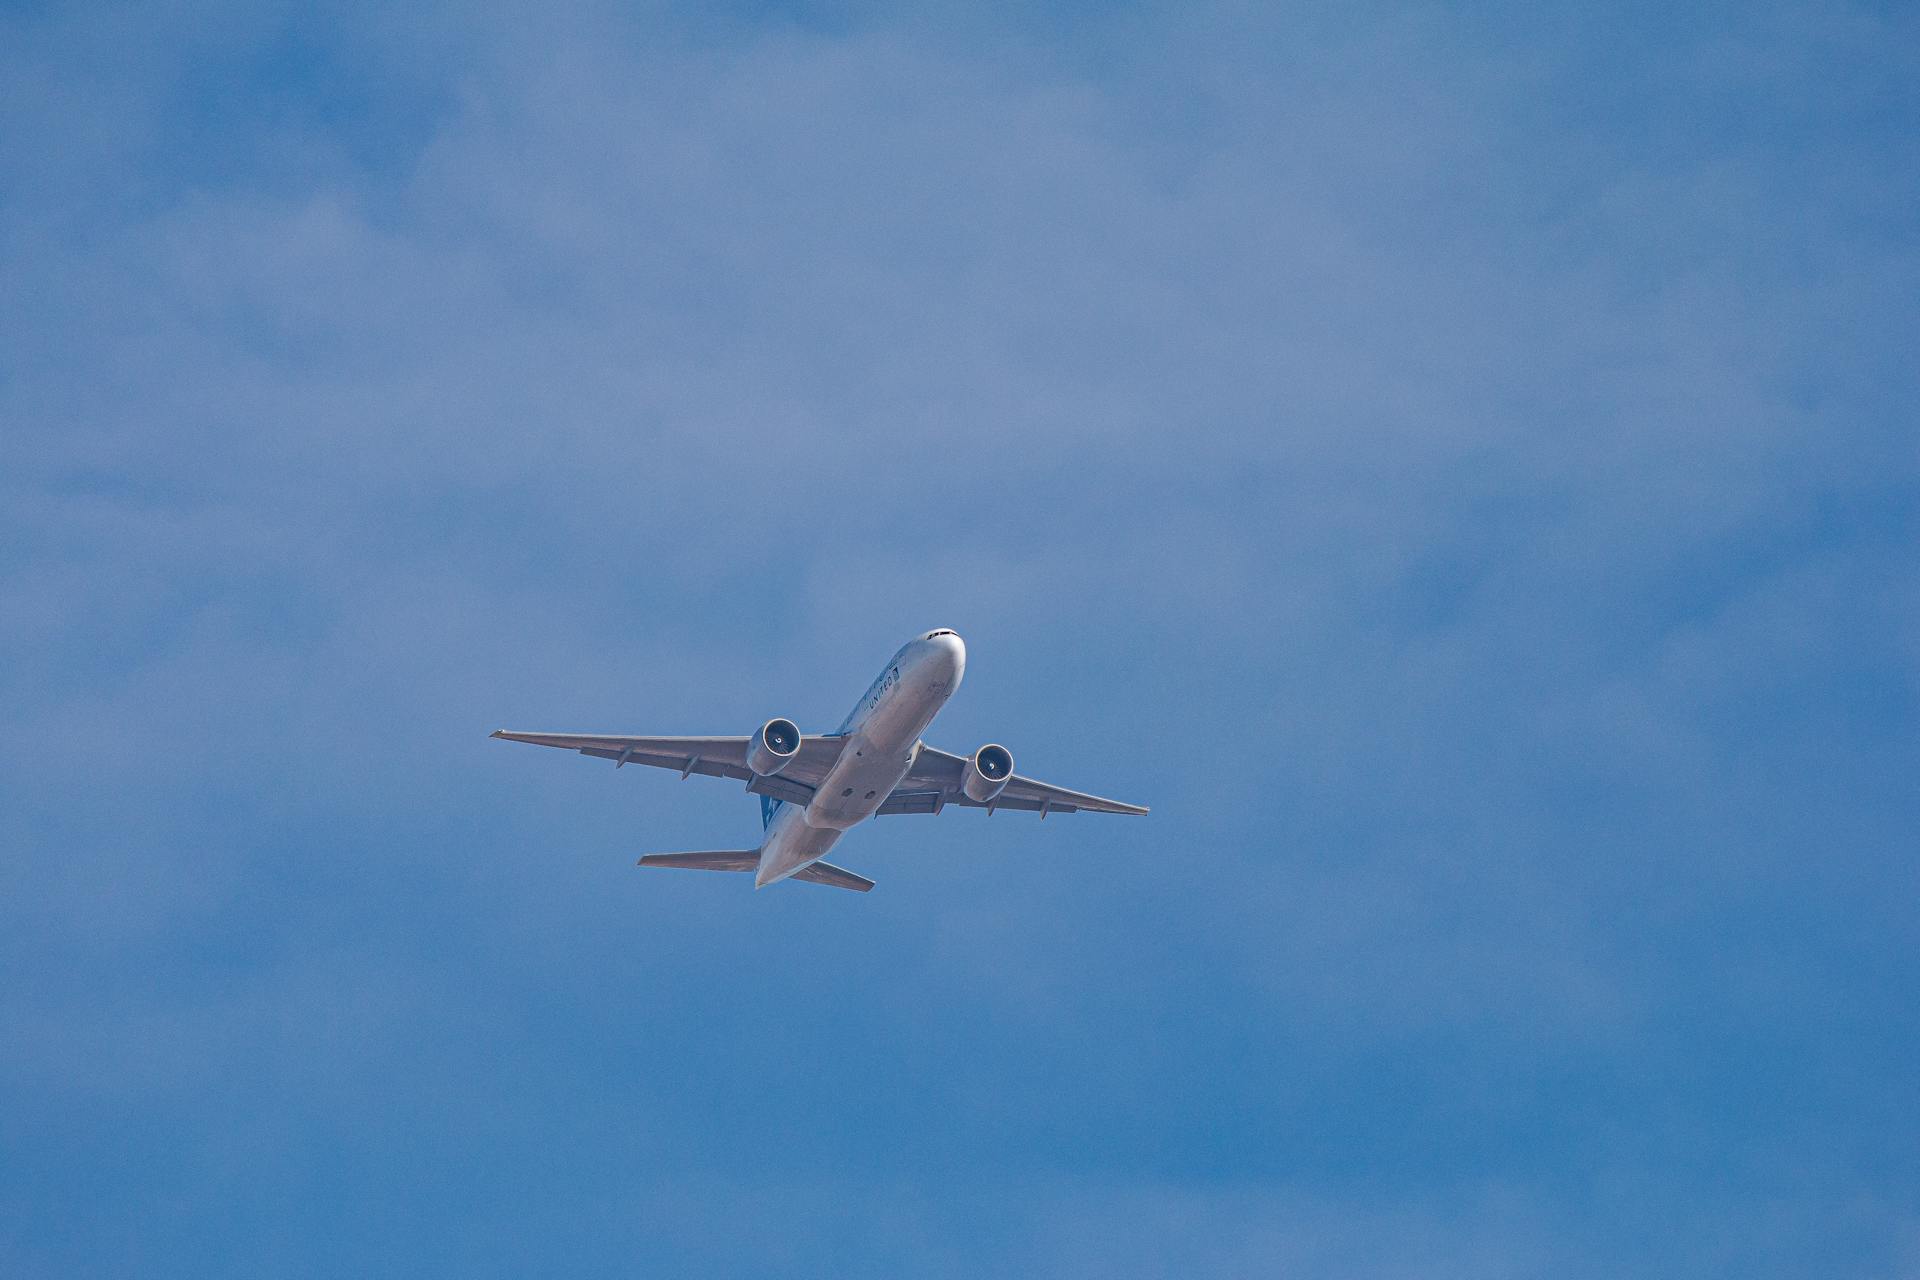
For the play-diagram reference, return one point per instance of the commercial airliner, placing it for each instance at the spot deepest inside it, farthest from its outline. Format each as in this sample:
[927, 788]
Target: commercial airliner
[813, 789]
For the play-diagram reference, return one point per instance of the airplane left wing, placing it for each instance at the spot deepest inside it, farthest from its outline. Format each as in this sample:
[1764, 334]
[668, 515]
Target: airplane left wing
[934, 782]
[713, 757]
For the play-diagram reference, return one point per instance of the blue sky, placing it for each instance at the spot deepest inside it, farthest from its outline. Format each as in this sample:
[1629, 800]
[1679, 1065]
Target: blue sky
[1457, 464]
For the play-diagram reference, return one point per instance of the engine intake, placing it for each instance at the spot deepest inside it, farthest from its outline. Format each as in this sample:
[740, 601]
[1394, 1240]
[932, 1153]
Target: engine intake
[987, 773]
[773, 748]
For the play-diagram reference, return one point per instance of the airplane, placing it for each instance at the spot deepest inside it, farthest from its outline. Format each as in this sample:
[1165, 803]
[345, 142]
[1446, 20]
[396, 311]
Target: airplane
[813, 789]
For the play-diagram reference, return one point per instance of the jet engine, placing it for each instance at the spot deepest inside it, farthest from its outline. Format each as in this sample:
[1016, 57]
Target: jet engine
[773, 748]
[987, 773]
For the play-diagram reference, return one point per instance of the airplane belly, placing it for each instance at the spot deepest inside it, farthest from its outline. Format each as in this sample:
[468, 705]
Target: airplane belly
[792, 844]
[885, 735]
[867, 773]
[900, 719]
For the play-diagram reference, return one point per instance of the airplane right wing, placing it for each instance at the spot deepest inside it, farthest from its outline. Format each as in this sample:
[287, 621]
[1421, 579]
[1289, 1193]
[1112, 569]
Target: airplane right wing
[934, 783]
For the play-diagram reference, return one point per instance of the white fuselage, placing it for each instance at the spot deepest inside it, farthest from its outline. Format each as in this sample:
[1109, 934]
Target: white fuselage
[882, 735]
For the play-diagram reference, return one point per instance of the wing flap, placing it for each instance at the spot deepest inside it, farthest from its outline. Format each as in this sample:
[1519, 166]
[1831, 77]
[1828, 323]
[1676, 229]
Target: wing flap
[903, 800]
[781, 787]
[1045, 798]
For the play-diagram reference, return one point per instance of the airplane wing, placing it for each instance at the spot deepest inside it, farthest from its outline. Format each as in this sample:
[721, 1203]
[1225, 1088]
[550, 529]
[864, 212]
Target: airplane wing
[934, 782]
[713, 757]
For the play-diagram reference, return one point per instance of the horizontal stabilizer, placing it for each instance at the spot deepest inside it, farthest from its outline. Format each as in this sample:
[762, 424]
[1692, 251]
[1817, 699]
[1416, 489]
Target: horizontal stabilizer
[707, 860]
[749, 860]
[828, 874]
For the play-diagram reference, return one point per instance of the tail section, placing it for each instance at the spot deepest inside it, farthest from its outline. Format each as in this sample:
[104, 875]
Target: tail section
[837, 877]
[768, 807]
[749, 860]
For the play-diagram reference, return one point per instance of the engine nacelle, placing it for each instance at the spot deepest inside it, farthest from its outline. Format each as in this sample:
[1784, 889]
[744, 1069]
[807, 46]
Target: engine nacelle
[987, 773]
[773, 748]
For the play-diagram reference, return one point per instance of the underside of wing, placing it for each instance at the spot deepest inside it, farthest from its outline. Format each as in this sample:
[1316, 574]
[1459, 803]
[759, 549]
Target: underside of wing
[713, 757]
[936, 779]
[904, 799]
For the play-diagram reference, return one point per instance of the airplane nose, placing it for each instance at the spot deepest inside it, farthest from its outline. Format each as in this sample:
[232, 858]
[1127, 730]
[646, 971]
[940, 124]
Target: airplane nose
[948, 651]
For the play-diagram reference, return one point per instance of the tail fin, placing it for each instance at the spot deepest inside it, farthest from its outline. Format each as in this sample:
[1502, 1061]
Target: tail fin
[768, 807]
